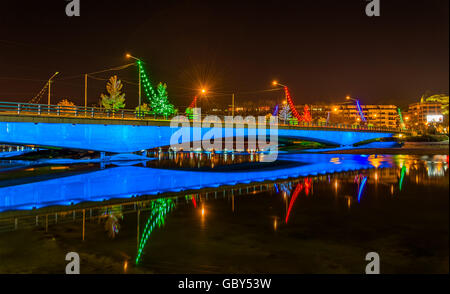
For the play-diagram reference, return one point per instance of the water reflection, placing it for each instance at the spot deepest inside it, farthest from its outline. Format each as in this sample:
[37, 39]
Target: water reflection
[280, 213]
[158, 212]
[131, 181]
[294, 193]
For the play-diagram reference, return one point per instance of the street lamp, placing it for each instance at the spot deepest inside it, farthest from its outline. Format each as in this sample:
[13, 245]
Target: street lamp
[203, 92]
[232, 99]
[358, 105]
[49, 83]
[275, 83]
[139, 68]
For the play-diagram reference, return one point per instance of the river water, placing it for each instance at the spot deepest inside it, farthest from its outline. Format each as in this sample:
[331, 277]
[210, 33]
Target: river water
[215, 213]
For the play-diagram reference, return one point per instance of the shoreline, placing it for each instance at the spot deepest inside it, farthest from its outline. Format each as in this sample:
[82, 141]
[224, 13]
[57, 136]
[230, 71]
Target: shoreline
[392, 151]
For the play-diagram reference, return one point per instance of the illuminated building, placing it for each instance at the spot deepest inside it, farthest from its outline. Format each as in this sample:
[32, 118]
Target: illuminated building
[422, 113]
[376, 115]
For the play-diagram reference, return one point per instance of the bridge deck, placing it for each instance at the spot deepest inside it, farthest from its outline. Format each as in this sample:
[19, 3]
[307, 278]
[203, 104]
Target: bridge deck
[104, 120]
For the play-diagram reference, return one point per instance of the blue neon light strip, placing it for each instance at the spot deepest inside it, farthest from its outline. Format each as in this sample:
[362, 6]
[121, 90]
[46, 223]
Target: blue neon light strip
[361, 188]
[275, 110]
[360, 111]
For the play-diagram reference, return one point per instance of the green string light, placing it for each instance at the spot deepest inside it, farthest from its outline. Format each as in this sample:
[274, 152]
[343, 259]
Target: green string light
[158, 99]
[159, 210]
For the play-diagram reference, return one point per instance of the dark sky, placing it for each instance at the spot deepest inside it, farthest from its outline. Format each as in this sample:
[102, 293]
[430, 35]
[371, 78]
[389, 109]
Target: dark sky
[323, 50]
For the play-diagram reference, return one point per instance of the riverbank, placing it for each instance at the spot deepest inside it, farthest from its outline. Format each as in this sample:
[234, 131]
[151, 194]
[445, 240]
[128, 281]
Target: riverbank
[392, 151]
[409, 148]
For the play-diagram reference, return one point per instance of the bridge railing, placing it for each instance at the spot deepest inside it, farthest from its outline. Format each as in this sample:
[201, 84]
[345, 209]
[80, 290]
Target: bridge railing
[73, 111]
[31, 109]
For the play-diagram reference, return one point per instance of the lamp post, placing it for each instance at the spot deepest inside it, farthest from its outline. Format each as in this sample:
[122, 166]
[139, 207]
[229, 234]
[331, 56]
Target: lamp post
[139, 69]
[275, 83]
[49, 83]
[203, 91]
[232, 105]
[358, 105]
[232, 99]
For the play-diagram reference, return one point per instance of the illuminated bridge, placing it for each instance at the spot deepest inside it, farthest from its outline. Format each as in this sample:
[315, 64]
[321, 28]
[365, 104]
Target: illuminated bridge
[86, 129]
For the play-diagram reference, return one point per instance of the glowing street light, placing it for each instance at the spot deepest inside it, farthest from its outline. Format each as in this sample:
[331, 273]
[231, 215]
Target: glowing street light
[275, 83]
[203, 92]
[49, 83]
[128, 55]
[358, 105]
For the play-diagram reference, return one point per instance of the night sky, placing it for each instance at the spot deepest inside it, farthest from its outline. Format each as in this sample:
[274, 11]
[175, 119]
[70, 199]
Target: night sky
[323, 50]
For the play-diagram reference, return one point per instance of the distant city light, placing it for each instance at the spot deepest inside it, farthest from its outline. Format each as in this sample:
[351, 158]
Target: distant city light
[435, 118]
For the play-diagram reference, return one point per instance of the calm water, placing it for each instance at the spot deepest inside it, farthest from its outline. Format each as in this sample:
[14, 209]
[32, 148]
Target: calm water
[203, 213]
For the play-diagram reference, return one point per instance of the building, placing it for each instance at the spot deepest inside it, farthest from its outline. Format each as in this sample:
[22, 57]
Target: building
[376, 115]
[423, 113]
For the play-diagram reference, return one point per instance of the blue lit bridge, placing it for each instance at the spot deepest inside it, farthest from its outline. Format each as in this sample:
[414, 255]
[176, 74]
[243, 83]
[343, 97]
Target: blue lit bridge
[93, 129]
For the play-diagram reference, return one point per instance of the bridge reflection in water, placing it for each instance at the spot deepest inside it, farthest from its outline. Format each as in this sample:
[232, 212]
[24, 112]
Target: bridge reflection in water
[130, 181]
[293, 192]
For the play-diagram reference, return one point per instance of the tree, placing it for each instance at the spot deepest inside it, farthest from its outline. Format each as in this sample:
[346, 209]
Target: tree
[306, 114]
[160, 104]
[285, 113]
[66, 107]
[116, 99]
[442, 99]
[145, 109]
